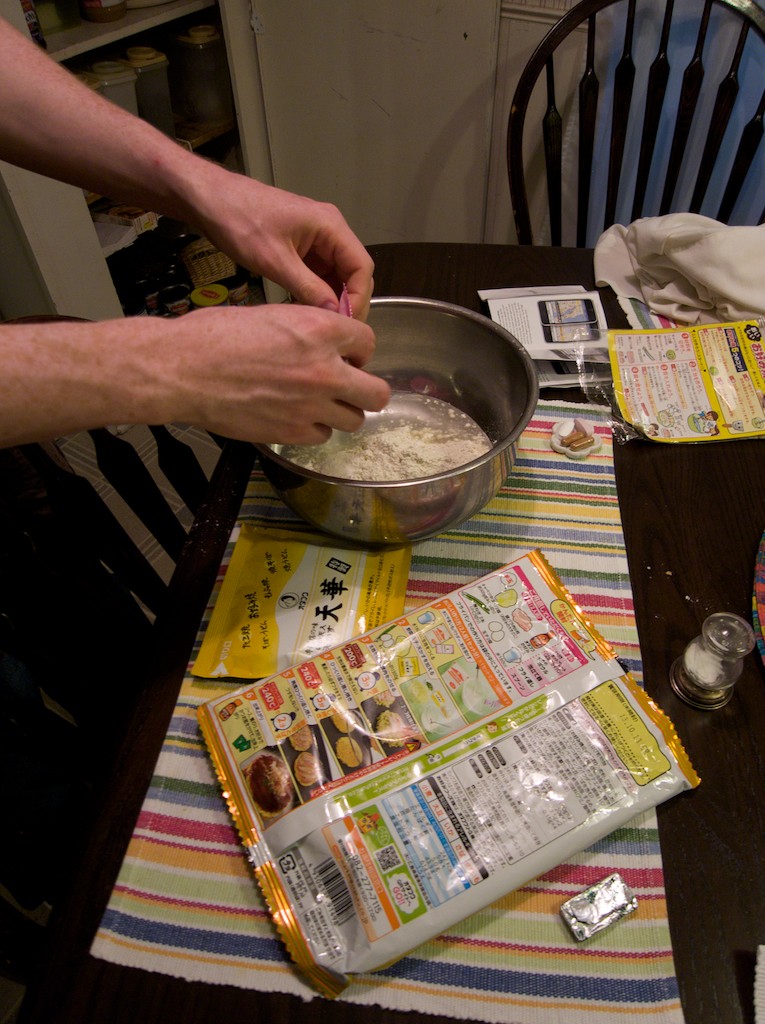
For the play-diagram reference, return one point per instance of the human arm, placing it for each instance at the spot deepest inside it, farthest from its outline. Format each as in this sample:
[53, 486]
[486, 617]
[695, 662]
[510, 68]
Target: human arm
[52, 124]
[280, 372]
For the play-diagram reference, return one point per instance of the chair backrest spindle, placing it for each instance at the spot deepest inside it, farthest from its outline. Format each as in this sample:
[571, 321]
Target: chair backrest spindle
[658, 76]
[676, 114]
[726, 97]
[750, 140]
[181, 467]
[689, 97]
[82, 581]
[624, 80]
[589, 89]
[91, 526]
[126, 471]
[552, 130]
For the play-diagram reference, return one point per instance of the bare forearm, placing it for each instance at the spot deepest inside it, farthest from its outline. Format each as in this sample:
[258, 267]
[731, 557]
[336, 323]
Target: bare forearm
[277, 372]
[51, 124]
[61, 378]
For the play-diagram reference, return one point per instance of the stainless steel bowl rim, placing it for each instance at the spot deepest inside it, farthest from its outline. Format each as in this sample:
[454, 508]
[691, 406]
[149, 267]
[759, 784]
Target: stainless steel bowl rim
[485, 323]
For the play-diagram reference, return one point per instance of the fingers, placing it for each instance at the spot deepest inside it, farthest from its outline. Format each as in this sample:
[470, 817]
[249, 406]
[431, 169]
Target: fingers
[314, 433]
[355, 348]
[331, 256]
[305, 246]
[356, 269]
[281, 372]
[365, 392]
[312, 288]
[345, 405]
[335, 416]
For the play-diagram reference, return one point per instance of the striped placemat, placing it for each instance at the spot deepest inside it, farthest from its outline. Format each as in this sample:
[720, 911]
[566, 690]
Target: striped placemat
[186, 905]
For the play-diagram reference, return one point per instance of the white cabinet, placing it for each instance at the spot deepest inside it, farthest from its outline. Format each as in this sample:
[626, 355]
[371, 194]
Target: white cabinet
[49, 253]
[384, 109]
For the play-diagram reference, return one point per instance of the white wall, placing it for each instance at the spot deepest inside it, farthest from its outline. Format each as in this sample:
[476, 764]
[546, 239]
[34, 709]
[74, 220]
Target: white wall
[383, 107]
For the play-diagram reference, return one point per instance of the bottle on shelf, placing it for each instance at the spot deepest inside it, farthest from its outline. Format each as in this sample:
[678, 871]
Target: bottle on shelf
[33, 22]
[152, 90]
[238, 286]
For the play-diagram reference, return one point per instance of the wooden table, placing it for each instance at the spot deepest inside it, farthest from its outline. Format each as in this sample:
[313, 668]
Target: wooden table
[693, 516]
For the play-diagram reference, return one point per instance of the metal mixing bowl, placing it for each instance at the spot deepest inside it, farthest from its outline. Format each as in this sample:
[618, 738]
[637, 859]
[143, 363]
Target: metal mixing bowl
[433, 348]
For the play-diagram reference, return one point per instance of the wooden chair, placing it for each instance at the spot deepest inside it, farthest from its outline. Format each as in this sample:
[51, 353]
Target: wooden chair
[78, 602]
[72, 495]
[676, 125]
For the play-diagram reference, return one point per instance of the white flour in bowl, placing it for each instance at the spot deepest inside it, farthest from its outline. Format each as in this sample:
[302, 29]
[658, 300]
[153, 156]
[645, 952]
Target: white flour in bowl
[415, 436]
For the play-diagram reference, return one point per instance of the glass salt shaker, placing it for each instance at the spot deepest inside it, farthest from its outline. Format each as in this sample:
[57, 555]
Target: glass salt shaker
[705, 674]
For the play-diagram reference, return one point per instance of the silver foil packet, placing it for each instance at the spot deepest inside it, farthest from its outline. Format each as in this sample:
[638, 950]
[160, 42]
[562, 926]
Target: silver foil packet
[598, 907]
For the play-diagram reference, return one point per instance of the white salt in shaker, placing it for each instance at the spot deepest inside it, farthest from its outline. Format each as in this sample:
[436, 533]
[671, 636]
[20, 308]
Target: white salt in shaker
[706, 673]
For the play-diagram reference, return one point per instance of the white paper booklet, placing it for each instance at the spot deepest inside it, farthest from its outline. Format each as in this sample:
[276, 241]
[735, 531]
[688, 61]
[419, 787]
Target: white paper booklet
[552, 323]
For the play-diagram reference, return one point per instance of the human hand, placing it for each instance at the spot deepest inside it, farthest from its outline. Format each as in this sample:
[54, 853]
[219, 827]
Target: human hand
[303, 245]
[273, 373]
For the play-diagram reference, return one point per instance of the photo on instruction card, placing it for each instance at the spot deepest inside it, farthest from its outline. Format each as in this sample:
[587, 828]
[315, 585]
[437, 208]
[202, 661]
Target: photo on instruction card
[567, 320]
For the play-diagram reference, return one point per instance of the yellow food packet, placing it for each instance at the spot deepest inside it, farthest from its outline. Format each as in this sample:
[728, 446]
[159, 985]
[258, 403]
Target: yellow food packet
[289, 596]
[691, 383]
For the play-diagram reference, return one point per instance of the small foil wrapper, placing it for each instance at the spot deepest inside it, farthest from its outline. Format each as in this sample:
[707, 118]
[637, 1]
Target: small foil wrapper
[598, 907]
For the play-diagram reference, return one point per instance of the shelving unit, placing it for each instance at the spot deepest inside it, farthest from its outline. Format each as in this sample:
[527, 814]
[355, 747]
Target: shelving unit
[52, 261]
[90, 35]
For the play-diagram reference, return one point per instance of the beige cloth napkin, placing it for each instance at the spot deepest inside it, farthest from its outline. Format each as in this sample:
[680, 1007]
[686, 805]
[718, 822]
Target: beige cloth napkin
[686, 267]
